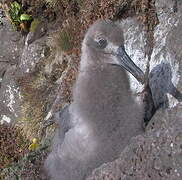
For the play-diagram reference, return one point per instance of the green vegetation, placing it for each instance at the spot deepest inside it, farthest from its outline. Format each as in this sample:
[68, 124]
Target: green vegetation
[29, 165]
[34, 93]
[64, 40]
[15, 12]
[54, 3]
[25, 17]
[34, 24]
[17, 17]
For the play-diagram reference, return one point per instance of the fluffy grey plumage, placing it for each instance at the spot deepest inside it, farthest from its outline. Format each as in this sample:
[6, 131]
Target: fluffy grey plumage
[103, 116]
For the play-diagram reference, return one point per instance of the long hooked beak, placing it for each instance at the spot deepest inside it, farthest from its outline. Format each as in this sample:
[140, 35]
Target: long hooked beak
[125, 61]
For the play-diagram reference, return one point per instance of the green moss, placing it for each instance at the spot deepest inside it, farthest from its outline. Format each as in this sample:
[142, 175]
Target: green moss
[34, 25]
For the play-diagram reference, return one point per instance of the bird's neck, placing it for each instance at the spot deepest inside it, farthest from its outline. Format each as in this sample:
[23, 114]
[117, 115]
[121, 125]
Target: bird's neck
[102, 87]
[93, 73]
[91, 60]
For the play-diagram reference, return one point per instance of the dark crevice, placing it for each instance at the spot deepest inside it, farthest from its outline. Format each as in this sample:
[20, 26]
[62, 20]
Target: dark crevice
[175, 6]
[124, 10]
[149, 107]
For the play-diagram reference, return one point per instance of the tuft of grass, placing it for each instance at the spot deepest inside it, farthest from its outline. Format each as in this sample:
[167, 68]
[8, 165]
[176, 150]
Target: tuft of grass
[55, 3]
[52, 3]
[65, 40]
[34, 90]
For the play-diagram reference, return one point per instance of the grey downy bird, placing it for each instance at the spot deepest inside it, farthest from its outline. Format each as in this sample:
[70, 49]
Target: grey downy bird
[103, 117]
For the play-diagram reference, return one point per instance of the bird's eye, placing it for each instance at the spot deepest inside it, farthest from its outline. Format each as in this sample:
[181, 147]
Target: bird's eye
[102, 43]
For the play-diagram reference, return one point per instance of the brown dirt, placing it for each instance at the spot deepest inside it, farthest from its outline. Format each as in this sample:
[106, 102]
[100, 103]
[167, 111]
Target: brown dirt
[12, 145]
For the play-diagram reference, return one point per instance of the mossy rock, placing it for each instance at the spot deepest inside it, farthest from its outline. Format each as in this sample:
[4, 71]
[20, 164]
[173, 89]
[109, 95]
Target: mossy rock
[34, 25]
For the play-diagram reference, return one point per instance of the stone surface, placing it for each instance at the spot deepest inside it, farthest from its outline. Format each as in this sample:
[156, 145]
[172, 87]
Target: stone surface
[32, 54]
[9, 97]
[11, 43]
[17, 58]
[135, 43]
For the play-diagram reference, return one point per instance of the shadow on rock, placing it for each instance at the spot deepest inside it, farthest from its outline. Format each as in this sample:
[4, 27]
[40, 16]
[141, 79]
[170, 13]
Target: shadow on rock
[160, 82]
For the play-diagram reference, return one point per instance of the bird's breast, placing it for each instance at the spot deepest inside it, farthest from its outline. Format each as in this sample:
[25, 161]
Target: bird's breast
[102, 88]
[100, 97]
[79, 141]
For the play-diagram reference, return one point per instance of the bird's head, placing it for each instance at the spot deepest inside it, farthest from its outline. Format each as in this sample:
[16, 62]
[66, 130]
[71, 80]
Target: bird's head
[104, 43]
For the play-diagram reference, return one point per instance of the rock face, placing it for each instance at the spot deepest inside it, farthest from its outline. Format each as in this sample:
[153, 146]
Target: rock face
[157, 154]
[11, 44]
[32, 54]
[165, 64]
[10, 97]
[17, 58]
[135, 42]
